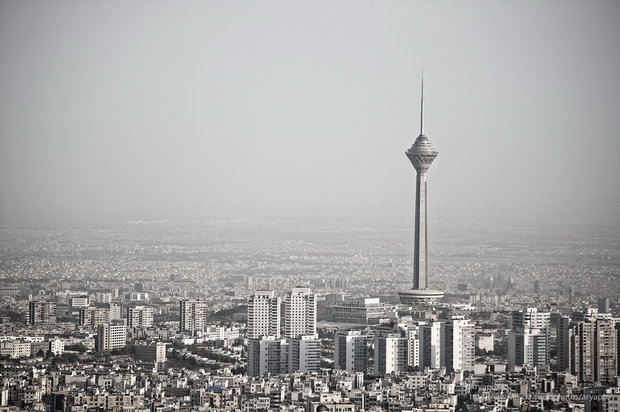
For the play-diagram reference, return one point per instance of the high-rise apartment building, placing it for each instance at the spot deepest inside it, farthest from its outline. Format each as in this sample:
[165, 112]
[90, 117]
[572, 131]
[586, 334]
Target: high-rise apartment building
[351, 351]
[430, 345]
[564, 336]
[530, 318]
[594, 351]
[606, 349]
[582, 351]
[267, 354]
[413, 351]
[458, 341]
[112, 335]
[528, 347]
[41, 311]
[300, 313]
[449, 344]
[193, 315]
[140, 317]
[528, 340]
[590, 315]
[263, 314]
[304, 354]
[390, 353]
[116, 311]
[93, 316]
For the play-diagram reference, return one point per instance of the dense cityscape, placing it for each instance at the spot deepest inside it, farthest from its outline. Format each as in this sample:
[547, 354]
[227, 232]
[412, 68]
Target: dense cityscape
[269, 262]
[303, 315]
[310, 315]
[192, 315]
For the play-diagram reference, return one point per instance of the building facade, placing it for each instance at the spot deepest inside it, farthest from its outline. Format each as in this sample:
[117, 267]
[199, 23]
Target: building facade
[41, 311]
[267, 354]
[110, 336]
[594, 351]
[390, 353]
[263, 314]
[528, 340]
[151, 352]
[458, 344]
[430, 345]
[359, 310]
[351, 351]
[140, 317]
[92, 316]
[300, 313]
[304, 354]
[193, 315]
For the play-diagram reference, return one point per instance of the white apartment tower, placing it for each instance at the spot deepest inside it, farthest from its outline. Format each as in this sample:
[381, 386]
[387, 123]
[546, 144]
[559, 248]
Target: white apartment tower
[350, 351]
[391, 353]
[304, 354]
[263, 314]
[116, 311]
[530, 318]
[458, 342]
[267, 354]
[193, 315]
[111, 336]
[93, 316]
[413, 337]
[528, 341]
[527, 347]
[140, 317]
[300, 313]
[430, 345]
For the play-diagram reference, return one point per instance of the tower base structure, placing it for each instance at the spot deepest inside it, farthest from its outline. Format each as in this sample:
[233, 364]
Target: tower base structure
[420, 296]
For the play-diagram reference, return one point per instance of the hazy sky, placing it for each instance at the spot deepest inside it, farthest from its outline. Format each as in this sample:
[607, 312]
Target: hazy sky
[157, 108]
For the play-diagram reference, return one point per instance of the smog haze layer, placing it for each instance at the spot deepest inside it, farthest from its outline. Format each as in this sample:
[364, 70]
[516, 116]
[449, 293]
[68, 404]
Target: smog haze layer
[150, 110]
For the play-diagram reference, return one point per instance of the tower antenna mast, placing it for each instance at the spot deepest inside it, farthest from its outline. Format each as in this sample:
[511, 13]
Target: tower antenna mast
[422, 107]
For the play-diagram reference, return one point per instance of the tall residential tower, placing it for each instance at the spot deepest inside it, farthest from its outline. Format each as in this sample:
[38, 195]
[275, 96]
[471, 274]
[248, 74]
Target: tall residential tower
[263, 314]
[193, 315]
[421, 155]
[300, 313]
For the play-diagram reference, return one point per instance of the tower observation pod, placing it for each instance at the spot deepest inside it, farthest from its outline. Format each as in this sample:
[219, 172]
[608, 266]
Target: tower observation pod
[421, 154]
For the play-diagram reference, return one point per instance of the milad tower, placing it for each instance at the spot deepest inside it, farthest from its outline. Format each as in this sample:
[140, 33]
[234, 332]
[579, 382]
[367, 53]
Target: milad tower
[421, 155]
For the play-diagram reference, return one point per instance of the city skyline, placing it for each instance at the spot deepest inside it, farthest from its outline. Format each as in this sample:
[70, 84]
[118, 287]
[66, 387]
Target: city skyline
[204, 206]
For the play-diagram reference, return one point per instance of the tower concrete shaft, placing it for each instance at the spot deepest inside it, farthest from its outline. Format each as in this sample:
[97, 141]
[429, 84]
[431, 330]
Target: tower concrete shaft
[420, 241]
[421, 156]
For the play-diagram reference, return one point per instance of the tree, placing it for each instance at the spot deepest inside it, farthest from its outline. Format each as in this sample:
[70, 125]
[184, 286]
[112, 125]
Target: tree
[239, 370]
[177, 345]
[66, 358]
[481, 352]
[78, 347]
[128, 349]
